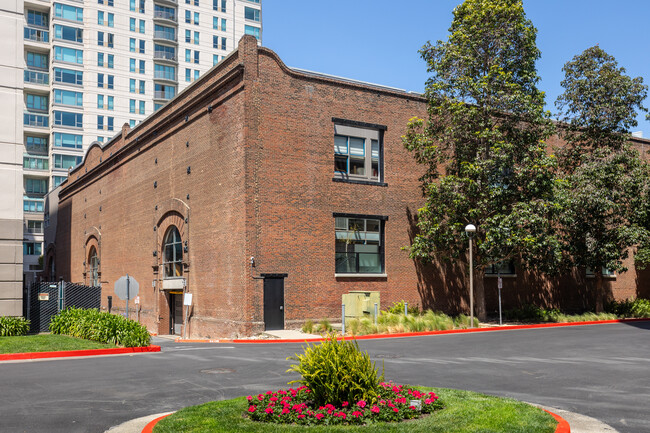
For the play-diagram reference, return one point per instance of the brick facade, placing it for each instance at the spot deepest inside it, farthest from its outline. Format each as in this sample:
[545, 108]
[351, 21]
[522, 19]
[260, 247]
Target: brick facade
[241, 163]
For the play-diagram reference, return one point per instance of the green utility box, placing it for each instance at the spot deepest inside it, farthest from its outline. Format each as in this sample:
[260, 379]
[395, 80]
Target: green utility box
[360, 304]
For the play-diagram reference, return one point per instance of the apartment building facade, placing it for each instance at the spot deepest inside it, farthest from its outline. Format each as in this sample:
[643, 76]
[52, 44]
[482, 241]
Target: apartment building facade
[90, 66]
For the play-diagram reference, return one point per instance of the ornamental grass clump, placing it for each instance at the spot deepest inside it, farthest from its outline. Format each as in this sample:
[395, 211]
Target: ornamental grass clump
[391, 323]
[337, 371]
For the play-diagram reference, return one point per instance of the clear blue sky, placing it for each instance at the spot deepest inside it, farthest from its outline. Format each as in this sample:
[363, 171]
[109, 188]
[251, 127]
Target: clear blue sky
[378, 40]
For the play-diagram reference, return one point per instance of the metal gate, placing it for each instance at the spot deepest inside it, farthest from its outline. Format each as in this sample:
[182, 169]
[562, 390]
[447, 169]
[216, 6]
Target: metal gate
[46, 299]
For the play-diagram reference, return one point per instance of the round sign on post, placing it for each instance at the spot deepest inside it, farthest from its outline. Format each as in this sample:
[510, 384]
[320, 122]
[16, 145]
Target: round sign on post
[121, 288]
[126, 288]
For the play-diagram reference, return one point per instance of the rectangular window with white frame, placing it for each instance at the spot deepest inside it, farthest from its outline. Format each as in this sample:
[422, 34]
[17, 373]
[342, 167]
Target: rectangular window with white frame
[503, 268]
[358, 152]
[607, 273]
[359, 244]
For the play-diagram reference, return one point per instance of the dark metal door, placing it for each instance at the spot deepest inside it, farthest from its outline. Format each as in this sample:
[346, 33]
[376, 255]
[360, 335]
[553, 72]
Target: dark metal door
[176, 314]
[273, 303]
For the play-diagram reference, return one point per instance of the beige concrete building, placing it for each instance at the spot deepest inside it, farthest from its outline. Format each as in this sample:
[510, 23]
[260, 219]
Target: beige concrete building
[11, 152]
[79, 70]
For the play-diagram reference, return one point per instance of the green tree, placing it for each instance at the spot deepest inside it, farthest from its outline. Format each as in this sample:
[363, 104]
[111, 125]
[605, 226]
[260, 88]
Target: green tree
[603, 189]
[483, 144]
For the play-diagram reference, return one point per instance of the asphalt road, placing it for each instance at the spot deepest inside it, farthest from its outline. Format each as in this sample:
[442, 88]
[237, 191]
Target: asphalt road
[602, 371]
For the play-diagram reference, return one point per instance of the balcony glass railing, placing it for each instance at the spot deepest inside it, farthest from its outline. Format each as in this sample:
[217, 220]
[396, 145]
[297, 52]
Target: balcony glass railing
[358, 263]
[35, 120]
[165, 55]
[168, 36]
[164, 75]
[40, 148]
[36, 35]
[164, 15]
[37, 77]
[163, 94]
[33, 205]
[35, 163]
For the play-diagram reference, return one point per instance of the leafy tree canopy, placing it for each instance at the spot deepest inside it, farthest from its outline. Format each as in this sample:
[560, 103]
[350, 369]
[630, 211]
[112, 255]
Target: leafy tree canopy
[599, 103]
[483, 144]
[603, 189]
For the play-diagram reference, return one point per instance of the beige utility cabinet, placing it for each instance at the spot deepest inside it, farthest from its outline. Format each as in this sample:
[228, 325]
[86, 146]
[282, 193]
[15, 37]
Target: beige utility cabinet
[360, 304]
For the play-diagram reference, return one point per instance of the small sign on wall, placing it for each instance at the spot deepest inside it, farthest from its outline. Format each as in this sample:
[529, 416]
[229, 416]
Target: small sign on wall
[187, 299]
[43, 296]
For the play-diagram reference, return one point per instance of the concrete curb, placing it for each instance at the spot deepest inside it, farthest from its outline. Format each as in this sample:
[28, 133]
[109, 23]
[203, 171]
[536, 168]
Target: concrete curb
[562, 426]
[414, 334]
[136, 425]
[149, 427]
[73, 353]
[579, 423]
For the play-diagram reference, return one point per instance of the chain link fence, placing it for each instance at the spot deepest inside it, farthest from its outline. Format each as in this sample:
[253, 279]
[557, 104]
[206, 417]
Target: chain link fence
[48, 298]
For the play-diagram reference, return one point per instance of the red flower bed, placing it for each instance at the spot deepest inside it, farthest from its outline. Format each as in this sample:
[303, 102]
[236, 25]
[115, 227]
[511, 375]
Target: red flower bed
[395, 403]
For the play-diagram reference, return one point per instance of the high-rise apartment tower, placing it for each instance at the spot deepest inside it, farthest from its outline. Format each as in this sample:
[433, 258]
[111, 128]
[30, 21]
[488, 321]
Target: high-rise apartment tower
[73, 72]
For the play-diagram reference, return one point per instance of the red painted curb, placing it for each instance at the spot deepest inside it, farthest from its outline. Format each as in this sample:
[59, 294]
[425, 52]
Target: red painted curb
[149, 427]
[418, 334]
[70, 353]
[562, 427]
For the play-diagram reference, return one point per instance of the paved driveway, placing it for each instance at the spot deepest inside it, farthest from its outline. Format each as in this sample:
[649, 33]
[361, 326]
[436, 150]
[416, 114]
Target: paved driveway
[602, 371]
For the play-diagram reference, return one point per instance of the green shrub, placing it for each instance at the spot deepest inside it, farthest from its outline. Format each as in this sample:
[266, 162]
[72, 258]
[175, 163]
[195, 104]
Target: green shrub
[337, 371]
[91, 324]
[13, 326]
[526, 313]
[639, 308]
[398, 308]
[532, 313]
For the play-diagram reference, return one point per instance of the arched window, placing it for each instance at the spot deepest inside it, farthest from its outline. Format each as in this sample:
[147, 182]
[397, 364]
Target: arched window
[173, 254]
[93, 261]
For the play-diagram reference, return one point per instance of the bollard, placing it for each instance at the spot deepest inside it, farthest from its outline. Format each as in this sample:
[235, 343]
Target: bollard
[406, 308]
[376, 313]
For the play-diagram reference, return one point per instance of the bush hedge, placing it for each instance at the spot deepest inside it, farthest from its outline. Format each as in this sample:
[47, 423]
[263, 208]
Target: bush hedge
[91, 324]
[639, 308]
[13, 326]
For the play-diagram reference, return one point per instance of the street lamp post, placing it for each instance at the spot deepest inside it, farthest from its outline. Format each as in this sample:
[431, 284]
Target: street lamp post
[470, 229]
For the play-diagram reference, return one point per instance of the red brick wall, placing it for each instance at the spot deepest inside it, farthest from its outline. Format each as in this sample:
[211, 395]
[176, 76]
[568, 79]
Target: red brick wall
[120, 200]
[296, 197]
[258, 141]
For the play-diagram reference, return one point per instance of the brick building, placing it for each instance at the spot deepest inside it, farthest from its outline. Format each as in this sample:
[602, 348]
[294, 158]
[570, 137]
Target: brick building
[234, 193]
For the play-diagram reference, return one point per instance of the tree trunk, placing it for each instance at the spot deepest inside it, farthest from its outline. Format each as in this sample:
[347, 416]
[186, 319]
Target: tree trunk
[599, 291]
[479, 295]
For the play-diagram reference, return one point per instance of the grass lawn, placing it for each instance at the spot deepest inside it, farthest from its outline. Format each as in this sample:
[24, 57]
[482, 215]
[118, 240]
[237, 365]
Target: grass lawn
[47, 343]
[464, 412]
